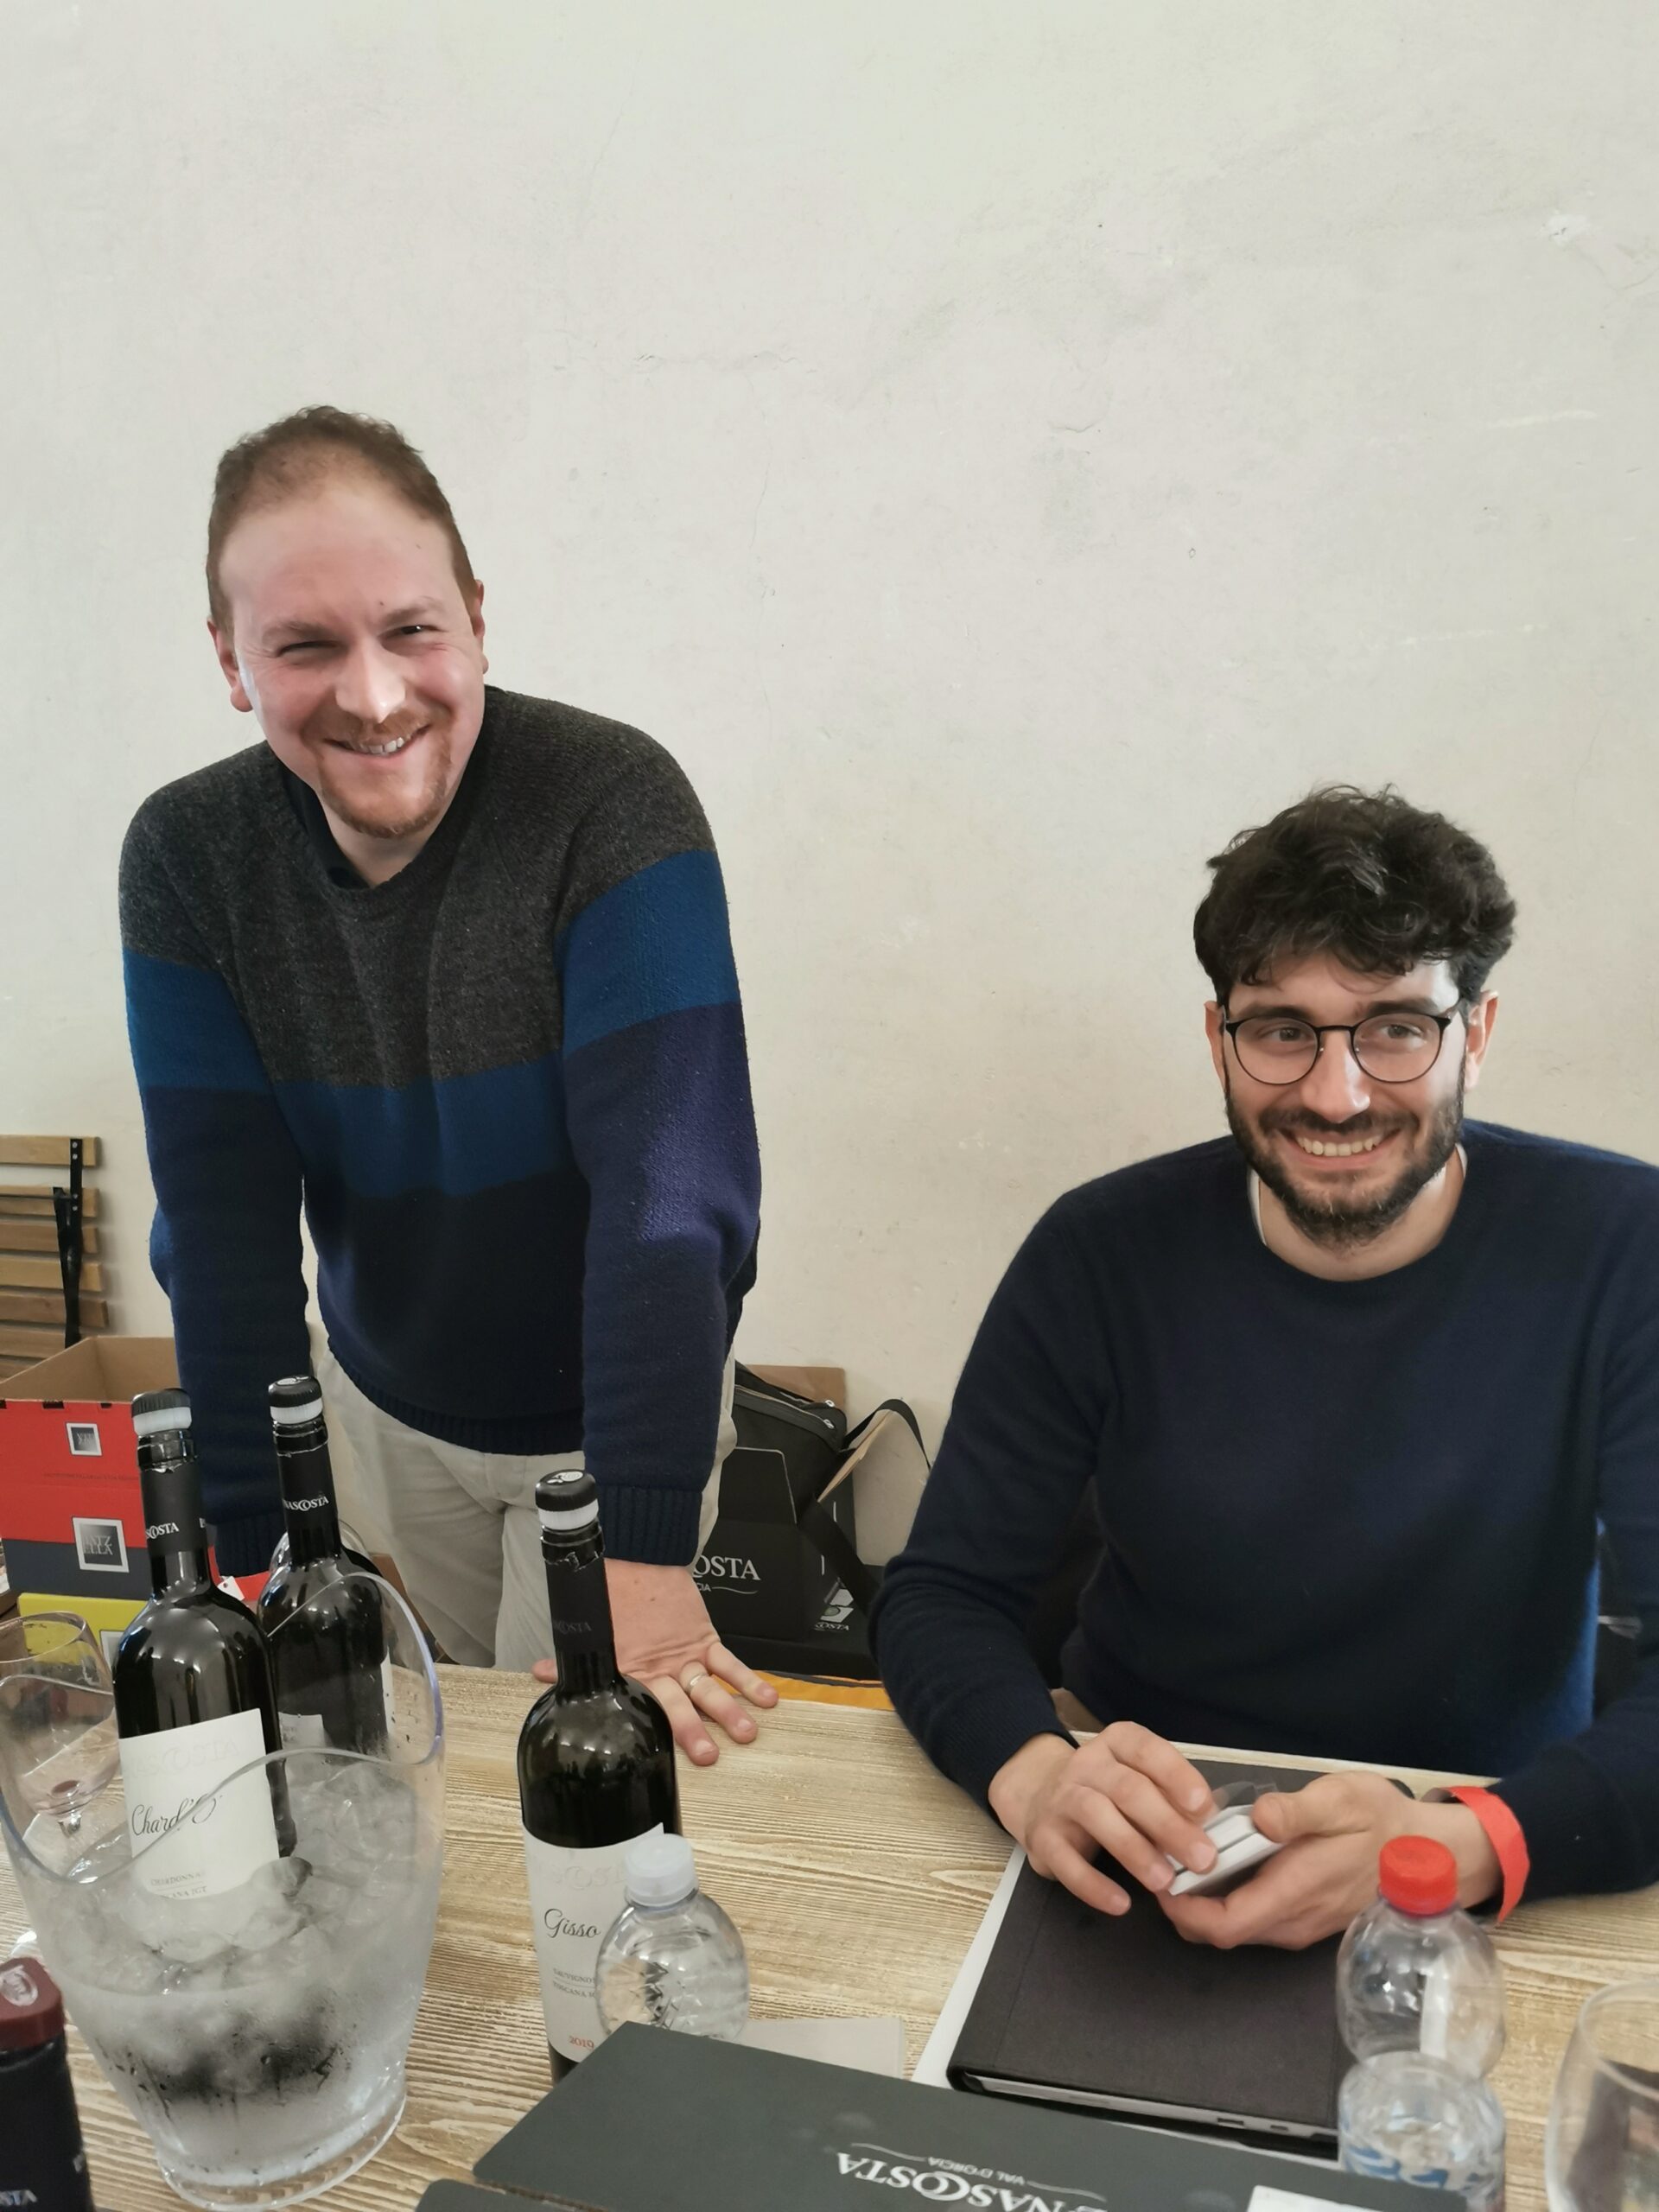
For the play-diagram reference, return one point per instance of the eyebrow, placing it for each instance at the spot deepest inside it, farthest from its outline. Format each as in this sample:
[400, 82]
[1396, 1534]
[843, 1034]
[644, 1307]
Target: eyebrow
[299, 627]
[1286, 1013]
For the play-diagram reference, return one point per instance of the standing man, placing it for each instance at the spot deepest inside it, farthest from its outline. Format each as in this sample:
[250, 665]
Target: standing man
[1353, 1387]
[451, 968]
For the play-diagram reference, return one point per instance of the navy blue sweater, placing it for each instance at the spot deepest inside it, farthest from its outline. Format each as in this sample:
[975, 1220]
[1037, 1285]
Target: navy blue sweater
[1354, 1520]
[509, 1086]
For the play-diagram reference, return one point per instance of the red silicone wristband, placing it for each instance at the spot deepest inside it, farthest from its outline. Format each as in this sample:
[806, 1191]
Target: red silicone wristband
[1504, 1832]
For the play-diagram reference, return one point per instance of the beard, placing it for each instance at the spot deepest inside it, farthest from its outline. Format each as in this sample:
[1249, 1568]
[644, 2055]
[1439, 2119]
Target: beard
[1331, 1221]
[398, 815]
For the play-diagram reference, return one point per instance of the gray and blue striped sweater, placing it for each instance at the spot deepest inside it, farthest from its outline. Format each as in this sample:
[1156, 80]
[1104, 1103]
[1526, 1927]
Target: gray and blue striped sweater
[509, 1087]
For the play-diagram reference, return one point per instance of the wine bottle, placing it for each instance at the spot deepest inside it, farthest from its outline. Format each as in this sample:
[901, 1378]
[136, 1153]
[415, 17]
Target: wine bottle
[193, 1702]
[324, 1625]
[595, 1770]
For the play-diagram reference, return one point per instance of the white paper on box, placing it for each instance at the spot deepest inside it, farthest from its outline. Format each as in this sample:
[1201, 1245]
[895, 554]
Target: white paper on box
[208, 1842]
[574, 1898]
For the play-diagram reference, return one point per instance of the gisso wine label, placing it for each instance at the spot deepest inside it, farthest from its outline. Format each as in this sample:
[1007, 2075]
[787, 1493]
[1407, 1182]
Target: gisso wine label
[195, 1843]
[574, 1898]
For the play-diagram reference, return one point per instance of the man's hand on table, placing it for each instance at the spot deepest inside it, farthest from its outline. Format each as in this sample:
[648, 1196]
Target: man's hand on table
[666, 1639]
[1326, 1874]
[1125, 1791]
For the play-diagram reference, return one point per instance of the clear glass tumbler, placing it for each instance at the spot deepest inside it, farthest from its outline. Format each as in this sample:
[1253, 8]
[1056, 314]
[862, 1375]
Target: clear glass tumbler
[1601, 2146]
[259, 2035]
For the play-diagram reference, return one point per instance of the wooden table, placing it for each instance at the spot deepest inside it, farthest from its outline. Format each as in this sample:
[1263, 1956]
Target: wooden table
[857, 1877]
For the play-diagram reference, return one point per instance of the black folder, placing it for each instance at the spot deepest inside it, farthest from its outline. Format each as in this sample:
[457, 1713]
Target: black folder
[659, 2122]
[1122, 2015]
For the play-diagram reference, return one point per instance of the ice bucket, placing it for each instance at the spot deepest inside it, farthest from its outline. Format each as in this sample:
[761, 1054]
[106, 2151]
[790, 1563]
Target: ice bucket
[258, 2036]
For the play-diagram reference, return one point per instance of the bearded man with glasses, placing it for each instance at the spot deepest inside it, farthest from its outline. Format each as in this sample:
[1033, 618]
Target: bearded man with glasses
[1359, 1395]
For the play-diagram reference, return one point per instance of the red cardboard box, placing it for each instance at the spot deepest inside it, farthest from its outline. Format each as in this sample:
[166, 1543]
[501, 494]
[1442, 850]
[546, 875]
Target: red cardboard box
[71, 1520]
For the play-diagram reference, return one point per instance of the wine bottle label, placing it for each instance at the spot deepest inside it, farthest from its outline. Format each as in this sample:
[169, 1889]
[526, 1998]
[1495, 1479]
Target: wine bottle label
[574, 1898]
[195, 1843]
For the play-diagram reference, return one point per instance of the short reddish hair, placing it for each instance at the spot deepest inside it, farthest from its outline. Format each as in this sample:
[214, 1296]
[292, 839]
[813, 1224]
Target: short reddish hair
[302, 451]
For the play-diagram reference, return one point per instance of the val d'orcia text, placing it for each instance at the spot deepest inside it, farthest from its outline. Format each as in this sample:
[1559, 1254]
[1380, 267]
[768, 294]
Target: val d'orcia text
[574, 1898]
[193, 1843]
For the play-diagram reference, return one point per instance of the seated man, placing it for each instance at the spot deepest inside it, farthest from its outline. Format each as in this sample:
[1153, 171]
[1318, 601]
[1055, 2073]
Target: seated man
[1354, 1389]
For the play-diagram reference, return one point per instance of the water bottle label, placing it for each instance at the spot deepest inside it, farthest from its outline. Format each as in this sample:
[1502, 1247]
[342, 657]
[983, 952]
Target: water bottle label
[1480, 2191]
[194, 1843]
[574, 1898]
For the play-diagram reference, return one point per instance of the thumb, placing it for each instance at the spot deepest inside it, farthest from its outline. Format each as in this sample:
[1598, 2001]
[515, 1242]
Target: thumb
[545, 1670]
[1289, 1814]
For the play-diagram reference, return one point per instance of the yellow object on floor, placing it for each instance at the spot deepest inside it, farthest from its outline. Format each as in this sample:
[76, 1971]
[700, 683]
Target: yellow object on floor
[820, 1692]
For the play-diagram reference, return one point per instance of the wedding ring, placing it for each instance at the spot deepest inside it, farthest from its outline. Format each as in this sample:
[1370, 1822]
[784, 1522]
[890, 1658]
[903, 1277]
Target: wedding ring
[700, 1675]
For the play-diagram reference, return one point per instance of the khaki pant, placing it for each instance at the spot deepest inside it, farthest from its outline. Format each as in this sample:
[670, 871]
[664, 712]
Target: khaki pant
[460, 1525]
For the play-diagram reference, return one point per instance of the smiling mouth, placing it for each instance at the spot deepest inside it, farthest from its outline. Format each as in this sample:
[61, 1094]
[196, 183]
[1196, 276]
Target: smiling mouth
[1352, 1148]
[393, 747]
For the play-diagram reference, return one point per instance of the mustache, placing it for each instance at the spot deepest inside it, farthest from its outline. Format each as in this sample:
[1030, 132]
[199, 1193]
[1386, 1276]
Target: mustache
[1360, 1125]
[335, 728]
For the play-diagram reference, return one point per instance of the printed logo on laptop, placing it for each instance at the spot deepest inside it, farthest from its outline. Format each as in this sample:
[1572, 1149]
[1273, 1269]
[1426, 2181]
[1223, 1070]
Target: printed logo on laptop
[101, 1547]
[84, 1442]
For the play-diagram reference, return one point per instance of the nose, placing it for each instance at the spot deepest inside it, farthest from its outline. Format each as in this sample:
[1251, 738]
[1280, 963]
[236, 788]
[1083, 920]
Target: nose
[1336, 1089]
[371, 686]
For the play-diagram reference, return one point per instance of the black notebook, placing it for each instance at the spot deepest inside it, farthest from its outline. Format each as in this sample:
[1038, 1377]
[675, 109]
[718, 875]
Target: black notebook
[657, 2122]
[1122, 2015]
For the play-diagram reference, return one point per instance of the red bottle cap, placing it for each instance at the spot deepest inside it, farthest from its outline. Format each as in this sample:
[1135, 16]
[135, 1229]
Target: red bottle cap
[31, 2010]
[1417, 1875]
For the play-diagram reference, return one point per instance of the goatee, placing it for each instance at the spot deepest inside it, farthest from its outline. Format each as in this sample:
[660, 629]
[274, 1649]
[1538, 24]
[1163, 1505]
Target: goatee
[1329, 1221]
[432, 800]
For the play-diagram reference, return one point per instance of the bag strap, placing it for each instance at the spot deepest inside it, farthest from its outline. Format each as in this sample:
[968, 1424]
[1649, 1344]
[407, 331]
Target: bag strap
[890, 1406]
[826, 1533]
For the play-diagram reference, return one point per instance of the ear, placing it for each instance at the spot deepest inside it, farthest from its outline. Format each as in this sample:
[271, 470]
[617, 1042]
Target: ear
[1214, 1015]
[475, 615]
[230, 667]
[1482, 1019]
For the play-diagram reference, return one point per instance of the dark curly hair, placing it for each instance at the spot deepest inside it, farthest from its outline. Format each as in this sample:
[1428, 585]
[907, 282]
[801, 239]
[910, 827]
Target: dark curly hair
[1378, 885]
[297, 455]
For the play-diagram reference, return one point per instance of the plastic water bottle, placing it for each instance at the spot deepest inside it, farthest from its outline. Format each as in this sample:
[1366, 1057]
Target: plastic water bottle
[1420, 1997]
[673, 1959]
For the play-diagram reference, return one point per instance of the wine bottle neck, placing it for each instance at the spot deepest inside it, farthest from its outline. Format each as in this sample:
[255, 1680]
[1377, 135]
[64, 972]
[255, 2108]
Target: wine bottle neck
[579, 1601]
[174, 1530]
[308, 1508]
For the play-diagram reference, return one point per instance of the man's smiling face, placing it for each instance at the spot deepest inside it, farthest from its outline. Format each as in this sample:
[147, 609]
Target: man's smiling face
[1344, 1152]
[351, 642]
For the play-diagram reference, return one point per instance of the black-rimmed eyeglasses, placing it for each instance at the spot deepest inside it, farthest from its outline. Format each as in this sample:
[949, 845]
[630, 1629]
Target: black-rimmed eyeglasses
[1389, 1047]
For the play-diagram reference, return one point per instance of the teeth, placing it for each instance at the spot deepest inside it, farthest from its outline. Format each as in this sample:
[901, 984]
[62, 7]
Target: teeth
[1338, 1150]
[382, 752]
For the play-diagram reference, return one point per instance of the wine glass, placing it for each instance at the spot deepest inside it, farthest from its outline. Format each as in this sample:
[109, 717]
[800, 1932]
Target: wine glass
[57, 1718]
[1601, 2147]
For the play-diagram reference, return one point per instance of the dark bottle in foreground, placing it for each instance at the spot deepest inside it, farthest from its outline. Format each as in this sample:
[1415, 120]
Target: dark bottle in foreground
[194, 1701]
[323, 1622]
[595, 1770]
[41, 2158]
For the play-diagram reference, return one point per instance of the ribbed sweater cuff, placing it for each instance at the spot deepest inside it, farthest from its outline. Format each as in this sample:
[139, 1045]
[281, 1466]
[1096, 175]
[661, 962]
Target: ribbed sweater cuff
[245, 1546]
[1581, 1836]
[655, 1526]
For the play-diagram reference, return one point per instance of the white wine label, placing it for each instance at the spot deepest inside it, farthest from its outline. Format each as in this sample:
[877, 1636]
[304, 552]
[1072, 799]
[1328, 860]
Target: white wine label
[194, 1843]
[574, 1898]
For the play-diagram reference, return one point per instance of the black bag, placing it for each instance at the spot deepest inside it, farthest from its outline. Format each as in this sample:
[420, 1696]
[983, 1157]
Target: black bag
[814, 1439]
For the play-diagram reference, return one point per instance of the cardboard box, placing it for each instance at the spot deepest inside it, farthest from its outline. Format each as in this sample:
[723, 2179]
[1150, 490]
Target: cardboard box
[72, 1518]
